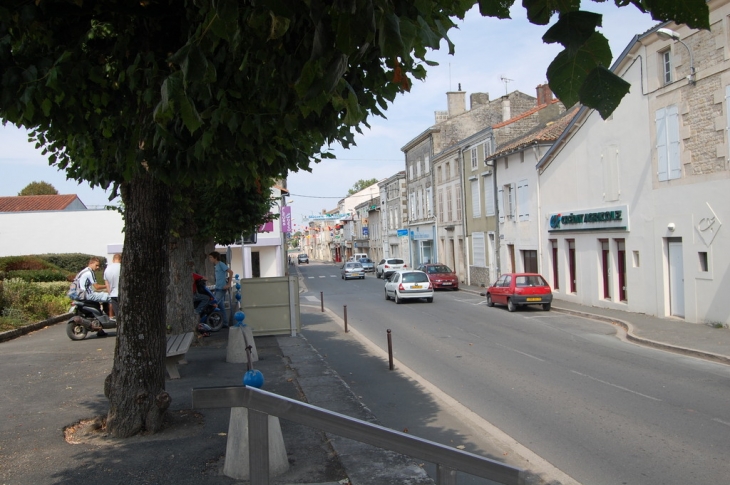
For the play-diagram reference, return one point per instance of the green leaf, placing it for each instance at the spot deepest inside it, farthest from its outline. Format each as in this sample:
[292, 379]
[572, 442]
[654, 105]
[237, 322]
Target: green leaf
[603, 91]
[46, 106]
[495, 8]
[539, 12]
[569, 70]
[189, 115]
[573, 29]
[694, 13]
[279, 26]
[194, 65]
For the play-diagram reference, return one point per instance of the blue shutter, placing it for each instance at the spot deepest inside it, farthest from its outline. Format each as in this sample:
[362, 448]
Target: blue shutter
[661, 145]
[675, 163]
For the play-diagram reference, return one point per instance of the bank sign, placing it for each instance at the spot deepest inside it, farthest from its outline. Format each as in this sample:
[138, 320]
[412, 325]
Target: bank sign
[613, 218]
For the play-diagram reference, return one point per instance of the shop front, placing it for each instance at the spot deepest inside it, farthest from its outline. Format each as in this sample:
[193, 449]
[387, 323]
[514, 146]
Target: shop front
[422, 245]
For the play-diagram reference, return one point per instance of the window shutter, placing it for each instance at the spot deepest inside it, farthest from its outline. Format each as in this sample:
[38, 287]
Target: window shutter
[523, 201]
[500, 204]
[489, 195]
[511, 188]
[476, 206]
[477, 242]
[661, 145]
[675, 164]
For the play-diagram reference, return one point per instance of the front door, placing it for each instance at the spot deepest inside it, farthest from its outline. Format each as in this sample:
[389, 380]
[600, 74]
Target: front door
[676, 278]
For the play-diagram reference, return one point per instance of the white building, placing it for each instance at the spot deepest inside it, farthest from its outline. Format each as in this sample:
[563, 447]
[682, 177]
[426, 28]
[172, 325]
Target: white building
[632, 207]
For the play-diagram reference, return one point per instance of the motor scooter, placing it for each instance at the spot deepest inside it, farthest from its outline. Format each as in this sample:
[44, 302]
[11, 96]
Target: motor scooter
[88, 317]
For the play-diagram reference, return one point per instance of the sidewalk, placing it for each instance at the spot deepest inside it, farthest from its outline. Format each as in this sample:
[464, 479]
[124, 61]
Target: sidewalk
[670, 334]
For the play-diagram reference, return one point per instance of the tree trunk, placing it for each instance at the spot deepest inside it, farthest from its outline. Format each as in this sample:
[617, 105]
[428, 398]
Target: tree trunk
[136, 386]
[201, 249]
[181, 316]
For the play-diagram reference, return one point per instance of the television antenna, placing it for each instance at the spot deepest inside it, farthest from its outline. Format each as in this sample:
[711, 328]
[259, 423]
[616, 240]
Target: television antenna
[505, 81]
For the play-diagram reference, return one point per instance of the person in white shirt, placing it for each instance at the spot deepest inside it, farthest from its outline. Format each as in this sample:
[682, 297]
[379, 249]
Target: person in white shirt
[87, 281]
[111, 278]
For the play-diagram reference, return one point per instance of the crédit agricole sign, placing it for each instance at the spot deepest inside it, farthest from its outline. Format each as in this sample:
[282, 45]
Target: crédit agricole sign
[613, 218]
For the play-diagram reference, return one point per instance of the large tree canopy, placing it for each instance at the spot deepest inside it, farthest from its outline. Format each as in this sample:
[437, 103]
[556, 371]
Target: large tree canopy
[153, 94]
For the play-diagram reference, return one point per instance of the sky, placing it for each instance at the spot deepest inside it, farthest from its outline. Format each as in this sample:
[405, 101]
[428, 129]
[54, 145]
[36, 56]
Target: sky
[492, 56]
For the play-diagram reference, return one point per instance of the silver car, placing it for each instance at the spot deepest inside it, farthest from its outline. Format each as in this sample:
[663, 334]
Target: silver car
[408, 284]
[386, 267]
[367, 264]
[352, 270]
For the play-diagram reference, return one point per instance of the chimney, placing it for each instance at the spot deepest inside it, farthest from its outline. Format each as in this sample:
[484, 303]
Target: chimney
[456, 101]
[544, 94]
[505, 109]
[478, 99]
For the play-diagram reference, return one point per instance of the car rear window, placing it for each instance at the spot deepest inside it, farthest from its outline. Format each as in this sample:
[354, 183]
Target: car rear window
[415, 278]
[439, 269]
[534, 280]
[395, 261]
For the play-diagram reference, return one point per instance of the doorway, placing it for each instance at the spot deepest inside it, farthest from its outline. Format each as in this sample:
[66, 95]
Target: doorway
[676, 277]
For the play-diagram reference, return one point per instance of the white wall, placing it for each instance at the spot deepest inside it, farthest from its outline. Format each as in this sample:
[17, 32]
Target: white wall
[97, 232]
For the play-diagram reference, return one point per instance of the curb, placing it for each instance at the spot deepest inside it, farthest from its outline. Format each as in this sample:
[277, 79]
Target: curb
[18, 332]
[630, 336]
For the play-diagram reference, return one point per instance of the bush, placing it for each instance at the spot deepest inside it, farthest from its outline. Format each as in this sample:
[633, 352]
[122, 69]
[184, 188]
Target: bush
[72, 262]
[47, 267]
[23, 302]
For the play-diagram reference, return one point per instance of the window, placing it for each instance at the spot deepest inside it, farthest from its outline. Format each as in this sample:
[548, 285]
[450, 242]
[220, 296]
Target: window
[418, 168]
[667, 139]
[605, 269]
[441, 205]
[477, 242]
[427, 165]
[475, 202]
[419, 204]
[529, 260]
[506, 202]
[447, 173]
[449, 217]
[410, 171]
[571, 265]
[523, 201]
[636, 259]
[429, 207]
[703, 261]
[489, 195]
[554, 252]
[458, 204]
[621, 268]
[439, 175]
[412, 200]
[474, 158]
[666, 63]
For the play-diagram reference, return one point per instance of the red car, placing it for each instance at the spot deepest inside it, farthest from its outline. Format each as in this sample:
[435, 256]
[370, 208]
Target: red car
[441, 276]
[518, 289]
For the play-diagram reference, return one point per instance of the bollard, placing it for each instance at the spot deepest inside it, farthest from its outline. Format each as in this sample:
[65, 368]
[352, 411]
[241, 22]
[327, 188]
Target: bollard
[321, 300]
[390, 351]
[345, 307]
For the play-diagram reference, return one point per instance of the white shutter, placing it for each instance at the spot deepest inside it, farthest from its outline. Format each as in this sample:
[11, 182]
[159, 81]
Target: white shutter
[429, 206]
[477, 243]
[476, 205]
[511, 188]
[661, 145]
[489, 195]
[523, 201]
[500, 204]
[675, 164]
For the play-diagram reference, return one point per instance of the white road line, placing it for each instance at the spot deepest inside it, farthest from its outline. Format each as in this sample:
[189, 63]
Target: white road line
[322, 276]
[721, 421]
[616, 386]
[310, 277]
[520, 352]
[311, 298]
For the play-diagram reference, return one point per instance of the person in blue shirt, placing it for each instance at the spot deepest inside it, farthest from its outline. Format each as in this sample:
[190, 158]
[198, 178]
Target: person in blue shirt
[223, 276]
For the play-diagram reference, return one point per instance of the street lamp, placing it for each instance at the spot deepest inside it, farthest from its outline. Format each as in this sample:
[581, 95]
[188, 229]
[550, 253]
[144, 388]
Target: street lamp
[493, 165]
[668, 34]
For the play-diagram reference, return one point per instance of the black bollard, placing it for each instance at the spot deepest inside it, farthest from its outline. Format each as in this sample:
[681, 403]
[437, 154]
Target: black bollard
[390, 351]
[321, 300]
[345, 307]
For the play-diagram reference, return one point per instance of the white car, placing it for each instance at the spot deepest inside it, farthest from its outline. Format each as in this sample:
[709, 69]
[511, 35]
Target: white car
[386, 267]
[408, 284]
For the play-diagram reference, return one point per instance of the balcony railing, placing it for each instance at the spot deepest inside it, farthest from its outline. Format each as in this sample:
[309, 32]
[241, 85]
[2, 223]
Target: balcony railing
[261, 404]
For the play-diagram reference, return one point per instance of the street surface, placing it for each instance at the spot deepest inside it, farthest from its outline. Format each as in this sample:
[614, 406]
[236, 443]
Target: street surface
[600, 410]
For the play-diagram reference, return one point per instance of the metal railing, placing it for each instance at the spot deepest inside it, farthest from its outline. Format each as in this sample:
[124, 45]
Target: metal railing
[261, 404]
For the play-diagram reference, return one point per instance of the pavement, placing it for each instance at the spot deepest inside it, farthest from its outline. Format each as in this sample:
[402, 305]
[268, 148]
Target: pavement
[50, 383]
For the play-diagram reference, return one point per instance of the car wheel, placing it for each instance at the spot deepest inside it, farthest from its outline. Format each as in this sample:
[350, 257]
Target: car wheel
[377, 275]
[386, 295]
[342, 276]
[429, 300]
[546, 307]
[490, 303]
[397, 300]
[511, 306]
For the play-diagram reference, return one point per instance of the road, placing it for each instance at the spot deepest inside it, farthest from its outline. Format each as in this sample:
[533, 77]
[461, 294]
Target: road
[601, 410]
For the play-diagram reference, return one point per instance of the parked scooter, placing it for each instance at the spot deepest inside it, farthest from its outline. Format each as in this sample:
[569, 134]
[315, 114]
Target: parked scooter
[211, 318]
[88, 317]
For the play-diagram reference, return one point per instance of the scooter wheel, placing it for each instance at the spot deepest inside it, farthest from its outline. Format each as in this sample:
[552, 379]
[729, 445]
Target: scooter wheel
[76, 331]
[215, 321]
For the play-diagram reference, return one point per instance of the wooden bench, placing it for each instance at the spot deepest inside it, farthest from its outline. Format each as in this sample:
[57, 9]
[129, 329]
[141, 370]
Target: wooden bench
[177, 347]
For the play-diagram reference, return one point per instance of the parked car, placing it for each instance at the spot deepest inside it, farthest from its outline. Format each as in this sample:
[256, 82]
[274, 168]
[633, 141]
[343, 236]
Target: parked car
[367, 264]
[408, 284]
[302, 258]
[441, 276]
[358, 256]
[352, 270]
[386, 267]
[518, 289]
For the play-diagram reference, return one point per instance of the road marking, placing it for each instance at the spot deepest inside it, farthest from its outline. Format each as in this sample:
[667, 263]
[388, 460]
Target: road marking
[721, 421]
[311, 298]
[322, 276]
[520, 352]
[614, 385]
